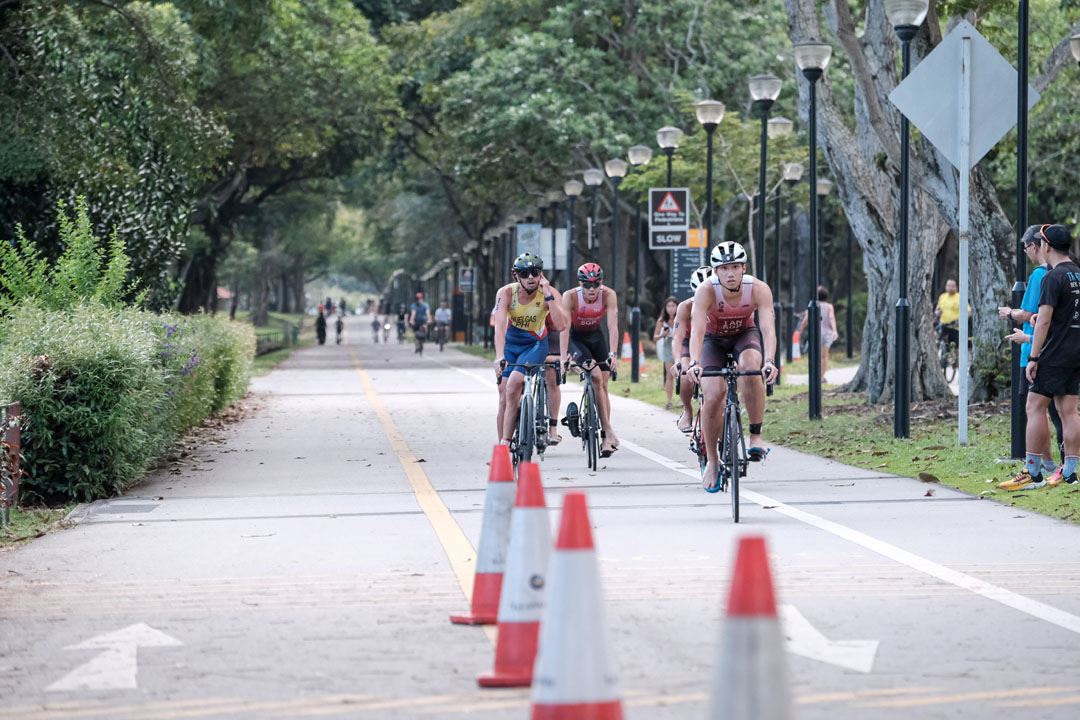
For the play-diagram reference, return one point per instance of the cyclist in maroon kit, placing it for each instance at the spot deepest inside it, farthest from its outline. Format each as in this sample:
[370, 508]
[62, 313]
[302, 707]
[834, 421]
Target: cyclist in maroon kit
[722, 325]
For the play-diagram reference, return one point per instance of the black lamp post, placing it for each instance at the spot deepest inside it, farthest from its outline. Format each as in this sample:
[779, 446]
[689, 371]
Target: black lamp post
[668, 138]
[639, 155]
[812, 58]
[764, 89]
[906, 16]
[573, 189]
[709, 113]
[777, 128]
[594, 178]
[793, 173]
[616, 170]
[1018, 414]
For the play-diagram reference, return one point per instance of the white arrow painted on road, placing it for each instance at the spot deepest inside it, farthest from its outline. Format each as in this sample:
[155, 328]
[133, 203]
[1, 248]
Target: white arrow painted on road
[117, 666]
[806, 640]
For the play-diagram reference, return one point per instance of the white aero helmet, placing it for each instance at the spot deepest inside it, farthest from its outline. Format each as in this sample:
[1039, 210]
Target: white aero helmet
[699, 276]
[727, 253]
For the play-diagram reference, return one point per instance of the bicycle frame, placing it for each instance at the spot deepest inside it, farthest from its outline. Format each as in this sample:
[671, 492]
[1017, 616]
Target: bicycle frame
[535, 427]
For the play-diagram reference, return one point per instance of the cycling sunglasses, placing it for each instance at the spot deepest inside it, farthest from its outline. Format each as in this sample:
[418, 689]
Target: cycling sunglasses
[590, 285]
[529, 272]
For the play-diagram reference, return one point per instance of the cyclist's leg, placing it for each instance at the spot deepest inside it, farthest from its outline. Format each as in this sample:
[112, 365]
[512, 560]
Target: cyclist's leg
[686, 393]
[752, 392]
[713, 391]
[513, 380]
[554, 391]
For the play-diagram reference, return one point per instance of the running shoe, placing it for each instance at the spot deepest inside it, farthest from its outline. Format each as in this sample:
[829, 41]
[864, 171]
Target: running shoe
[1022, 481]
[1056, 479]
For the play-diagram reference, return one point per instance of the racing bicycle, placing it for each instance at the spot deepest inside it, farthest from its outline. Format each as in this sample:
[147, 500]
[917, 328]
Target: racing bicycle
[584, 420]
[440, 335]
[534, 422]
[731, 450]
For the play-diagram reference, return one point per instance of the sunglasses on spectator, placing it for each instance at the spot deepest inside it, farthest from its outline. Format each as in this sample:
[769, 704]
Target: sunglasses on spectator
[590, 285]
[529, 272]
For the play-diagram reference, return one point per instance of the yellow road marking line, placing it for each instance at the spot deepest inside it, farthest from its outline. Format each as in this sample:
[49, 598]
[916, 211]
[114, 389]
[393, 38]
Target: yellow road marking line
[964, 697]
[446, 700]
[160, 710]
[458, 549]
[1045, 702]
[858, 695]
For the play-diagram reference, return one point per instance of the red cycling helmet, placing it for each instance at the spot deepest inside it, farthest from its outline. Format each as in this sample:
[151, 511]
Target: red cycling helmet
[590, 272]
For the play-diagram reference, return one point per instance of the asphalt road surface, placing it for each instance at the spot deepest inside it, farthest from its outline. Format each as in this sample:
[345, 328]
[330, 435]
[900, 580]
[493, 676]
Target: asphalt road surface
[298, 564]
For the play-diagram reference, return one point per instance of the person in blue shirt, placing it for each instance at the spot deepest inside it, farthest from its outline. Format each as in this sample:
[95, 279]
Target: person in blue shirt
[1029, 306]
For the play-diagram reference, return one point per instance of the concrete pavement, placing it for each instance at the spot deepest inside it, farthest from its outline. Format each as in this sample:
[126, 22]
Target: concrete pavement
[305, 564]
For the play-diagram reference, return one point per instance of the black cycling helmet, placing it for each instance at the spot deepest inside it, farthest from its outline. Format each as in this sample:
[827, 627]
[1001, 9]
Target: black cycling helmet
[527, 261]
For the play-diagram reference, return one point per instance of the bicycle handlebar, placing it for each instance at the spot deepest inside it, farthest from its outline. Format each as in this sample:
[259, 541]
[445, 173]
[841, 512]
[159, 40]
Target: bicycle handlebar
[732, 372]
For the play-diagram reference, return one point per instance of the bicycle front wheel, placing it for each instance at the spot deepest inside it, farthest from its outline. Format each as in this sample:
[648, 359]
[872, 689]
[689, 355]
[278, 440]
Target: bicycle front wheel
[732, 461]
[526, 427]
[541, 414]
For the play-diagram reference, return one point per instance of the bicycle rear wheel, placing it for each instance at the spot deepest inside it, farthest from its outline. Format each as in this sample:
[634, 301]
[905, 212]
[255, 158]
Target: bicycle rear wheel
[731, 459]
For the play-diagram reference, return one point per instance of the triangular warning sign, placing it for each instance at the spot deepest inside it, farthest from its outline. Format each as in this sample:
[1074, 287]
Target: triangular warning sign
[668, 204]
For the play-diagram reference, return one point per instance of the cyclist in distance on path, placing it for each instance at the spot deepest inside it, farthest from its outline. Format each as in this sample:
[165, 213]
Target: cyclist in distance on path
[590, 308]
[419, 313]
[521, 312]
[721, 324]
[681, 345]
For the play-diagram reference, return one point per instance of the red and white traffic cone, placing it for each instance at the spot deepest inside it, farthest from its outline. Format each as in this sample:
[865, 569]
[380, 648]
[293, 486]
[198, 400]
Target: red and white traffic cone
[573, 678]
[494, 533]
[522, 599]
[751, 679]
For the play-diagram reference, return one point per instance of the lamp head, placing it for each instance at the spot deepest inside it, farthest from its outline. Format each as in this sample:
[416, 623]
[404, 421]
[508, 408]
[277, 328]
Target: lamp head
[639, 154]
[709, 113]
[779, 127]
[906, 13]
[812, 58]
[668, 137]
[572, 188]
[593, 177]
[616, 168]
[793, 172]
[824, 186]
[765, 88]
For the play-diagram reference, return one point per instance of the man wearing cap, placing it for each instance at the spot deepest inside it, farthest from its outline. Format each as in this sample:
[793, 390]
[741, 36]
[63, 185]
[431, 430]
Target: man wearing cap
[1053, 367]
[1025, 314]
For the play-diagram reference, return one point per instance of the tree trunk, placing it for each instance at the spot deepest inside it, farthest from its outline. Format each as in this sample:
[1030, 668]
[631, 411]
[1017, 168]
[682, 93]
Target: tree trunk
[299, 299]
[200, 279]
[864, 160]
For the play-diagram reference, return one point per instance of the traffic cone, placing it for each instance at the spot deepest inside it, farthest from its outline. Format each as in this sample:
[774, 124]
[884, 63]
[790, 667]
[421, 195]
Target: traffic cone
[751, 680]
[796, 350]
[522, 598]
[626, 347]
[494, 533]
[573, 679]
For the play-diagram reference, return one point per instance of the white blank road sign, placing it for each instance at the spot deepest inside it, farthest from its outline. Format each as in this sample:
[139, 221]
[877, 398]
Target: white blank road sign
[930, 96]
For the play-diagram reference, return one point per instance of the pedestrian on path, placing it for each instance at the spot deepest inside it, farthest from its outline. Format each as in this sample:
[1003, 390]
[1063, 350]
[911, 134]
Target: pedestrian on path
[828, 327]
[1029, 306]
[320, 327]
[1053, 367]
[663, 336]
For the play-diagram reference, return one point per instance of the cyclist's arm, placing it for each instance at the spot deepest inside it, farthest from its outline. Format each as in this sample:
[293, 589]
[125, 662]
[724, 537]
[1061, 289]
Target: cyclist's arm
[555, 308]
[699, 317]
[566, 304]
[678, 333]
[502, 309]
[767, 318]
[611, 304]
[412, 317]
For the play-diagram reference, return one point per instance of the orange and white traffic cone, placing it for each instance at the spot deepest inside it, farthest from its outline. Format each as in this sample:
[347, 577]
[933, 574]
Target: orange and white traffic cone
[796, 349]
[751, 680]
[626, 347]
[573, 678]
[522, 599]
[494, 533]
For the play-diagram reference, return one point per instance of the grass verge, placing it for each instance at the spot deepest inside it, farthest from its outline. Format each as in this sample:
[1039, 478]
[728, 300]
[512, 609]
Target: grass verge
[477, 351]
[861, 435]
[32, 523]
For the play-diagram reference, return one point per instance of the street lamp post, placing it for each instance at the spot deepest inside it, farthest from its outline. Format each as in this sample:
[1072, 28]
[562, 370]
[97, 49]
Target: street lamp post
[812, 58]
[639, 155]
[793, 173]
[573, 189]
[593, 179]
[709, 114]
[668, 138]
[616, 170]
[764, 89]
[906, 16]
[777, 128]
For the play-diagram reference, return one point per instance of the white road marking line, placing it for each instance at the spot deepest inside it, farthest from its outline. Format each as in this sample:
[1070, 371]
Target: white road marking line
[116, 667]
[806, 640]
[1026, 605]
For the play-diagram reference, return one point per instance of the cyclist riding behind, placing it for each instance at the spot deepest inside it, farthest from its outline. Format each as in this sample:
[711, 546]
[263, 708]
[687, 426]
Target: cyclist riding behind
[722, 324]
[521, 312]
[419, 312]
[681, 345]
[589, 309]
[947, 312]
[443, 317]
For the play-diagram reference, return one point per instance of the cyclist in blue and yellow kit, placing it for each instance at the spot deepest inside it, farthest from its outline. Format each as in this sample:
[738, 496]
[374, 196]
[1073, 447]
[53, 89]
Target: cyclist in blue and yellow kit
[521, 311]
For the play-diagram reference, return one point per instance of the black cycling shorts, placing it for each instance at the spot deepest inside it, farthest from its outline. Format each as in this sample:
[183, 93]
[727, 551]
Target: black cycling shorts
[717, 348]
[554, 347]
[1053, 381]
[589, 346]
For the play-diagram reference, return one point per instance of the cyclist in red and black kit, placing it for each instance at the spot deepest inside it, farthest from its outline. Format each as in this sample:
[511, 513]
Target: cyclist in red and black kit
[591, 308]
[722, 324]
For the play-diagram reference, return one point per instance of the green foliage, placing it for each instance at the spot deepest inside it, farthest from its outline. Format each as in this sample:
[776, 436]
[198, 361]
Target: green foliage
[106, 389]
[85, 271]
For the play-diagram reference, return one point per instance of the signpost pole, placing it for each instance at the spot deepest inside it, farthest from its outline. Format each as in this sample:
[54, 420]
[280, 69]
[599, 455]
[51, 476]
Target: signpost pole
[965, 231]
